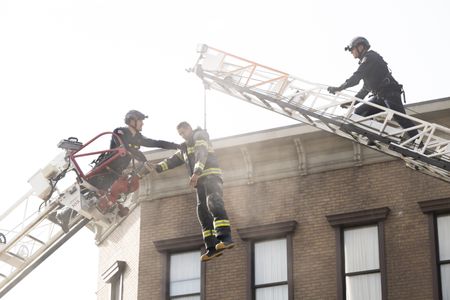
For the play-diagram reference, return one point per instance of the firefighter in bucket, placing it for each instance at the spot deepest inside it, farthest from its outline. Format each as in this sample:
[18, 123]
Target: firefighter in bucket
[110, 180]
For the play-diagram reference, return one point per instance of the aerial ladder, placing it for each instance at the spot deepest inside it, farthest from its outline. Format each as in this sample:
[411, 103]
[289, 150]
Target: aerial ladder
[310, 103]
[28, 236]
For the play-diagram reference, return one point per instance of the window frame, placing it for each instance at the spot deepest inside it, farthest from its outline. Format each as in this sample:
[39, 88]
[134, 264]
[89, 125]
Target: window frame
[342, 221]
[114, 275]
[175, 246]
[435, 208]
[262, 233]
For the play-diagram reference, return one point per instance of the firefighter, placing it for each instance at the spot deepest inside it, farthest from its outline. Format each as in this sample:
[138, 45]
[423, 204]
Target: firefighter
[378, 80]
[206, 176]
[111, 182]
[132, 139]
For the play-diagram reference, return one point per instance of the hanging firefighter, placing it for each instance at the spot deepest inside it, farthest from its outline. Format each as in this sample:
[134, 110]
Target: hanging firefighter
[206, 176]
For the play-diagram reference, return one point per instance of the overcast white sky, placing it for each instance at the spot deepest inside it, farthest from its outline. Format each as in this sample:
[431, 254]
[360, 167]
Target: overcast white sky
[74, 68]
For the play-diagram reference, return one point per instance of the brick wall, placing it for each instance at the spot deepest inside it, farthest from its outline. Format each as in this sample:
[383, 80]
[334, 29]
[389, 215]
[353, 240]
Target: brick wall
[121, 245]
[306, 199]
[263, 185]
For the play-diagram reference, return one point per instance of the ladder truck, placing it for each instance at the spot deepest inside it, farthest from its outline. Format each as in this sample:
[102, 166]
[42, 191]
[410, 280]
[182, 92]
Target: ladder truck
[27, 243]
[310, 103]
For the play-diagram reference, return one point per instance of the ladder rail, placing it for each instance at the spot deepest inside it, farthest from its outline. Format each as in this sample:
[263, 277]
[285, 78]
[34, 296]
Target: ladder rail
[28, 228]
[15, 205]
[28, 208]
[9, 281]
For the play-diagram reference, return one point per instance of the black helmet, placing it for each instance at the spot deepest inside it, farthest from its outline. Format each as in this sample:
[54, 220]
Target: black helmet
[134, 115]
[357, 41]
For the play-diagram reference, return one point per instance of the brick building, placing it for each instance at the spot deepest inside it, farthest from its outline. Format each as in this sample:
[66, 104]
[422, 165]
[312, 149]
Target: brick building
[314, 216]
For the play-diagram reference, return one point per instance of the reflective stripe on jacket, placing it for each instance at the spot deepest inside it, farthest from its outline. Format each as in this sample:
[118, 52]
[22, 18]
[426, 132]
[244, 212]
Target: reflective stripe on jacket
[198, 155]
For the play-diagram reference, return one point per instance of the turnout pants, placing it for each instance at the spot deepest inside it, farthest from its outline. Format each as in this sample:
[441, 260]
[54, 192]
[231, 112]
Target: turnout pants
[211, 211]
[392, 101]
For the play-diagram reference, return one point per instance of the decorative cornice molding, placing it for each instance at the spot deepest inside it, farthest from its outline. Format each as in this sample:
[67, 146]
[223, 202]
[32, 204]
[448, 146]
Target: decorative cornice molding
[267, 231]
[248, 164]
[358, 217]
[301, 156]
[117, 268]
[179, 244]
[436, 205]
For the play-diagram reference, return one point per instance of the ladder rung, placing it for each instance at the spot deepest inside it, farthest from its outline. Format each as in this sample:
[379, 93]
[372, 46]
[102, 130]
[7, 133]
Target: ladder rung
[11, 260]
[16, 256]
[35, 239]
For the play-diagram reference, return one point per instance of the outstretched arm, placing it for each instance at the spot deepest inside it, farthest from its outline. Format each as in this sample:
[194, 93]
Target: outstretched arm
[170, 162]
[365, 65]
[146, 142]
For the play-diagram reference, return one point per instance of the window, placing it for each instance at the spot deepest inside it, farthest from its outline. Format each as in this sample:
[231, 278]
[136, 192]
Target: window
[443, 230]
[184, 274]
[438, 211]
[362, 263]
[116, 287]
[270, 269]
[360, 254]
[114, 276]
[270, 260]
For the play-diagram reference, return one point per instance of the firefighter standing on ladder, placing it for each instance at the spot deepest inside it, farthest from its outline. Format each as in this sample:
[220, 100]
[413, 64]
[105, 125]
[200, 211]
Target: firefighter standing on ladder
[378, 80]
[206, 176]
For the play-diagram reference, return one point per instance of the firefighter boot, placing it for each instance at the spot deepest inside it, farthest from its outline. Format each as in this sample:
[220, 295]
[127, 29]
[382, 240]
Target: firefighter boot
[225, 243]
[210, 254]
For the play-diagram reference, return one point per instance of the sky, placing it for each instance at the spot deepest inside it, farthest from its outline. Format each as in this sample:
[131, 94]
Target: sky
[74, 68]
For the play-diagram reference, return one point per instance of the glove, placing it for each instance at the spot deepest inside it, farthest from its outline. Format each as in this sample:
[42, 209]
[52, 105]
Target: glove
[158, 168]
[333, 89]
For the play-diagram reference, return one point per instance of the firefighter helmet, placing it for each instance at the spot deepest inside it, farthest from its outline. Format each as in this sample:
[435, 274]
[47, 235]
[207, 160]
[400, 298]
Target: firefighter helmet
[134, 115]
[359, 40]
